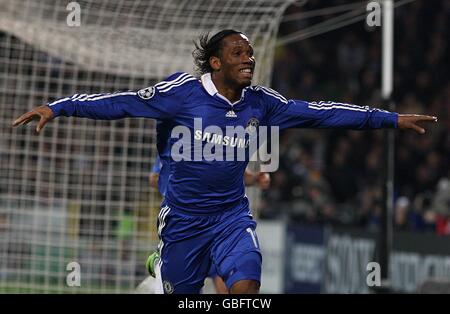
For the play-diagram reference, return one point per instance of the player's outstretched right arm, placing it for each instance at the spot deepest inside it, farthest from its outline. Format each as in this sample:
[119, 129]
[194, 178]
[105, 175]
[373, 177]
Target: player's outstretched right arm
[161, 101]
[104, 107]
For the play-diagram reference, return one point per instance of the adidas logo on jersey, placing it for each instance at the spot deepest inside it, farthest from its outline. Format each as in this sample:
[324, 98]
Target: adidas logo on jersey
[231, 114]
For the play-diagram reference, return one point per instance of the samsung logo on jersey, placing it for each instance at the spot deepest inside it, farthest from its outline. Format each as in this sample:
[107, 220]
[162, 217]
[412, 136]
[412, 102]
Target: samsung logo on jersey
[229, 143]
[220, 139]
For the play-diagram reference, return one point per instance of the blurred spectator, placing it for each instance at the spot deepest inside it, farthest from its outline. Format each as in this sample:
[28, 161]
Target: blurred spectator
[441, 204]
[401, 213]
[336, 176]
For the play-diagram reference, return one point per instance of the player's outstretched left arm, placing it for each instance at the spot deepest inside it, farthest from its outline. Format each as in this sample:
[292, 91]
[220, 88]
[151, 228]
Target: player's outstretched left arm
[301, 114]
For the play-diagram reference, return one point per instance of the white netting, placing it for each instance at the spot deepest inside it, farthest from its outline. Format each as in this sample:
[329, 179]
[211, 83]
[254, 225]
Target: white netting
[139, 37]
[79, 191]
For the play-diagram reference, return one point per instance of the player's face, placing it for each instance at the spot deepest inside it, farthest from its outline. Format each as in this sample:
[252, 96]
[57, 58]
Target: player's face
[237, 62]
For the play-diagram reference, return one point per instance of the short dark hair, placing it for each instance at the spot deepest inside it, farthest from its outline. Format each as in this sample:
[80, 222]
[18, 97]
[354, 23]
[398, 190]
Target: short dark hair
[208, 47]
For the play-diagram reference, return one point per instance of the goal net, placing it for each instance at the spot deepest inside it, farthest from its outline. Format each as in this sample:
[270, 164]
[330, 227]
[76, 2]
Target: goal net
[79, 191]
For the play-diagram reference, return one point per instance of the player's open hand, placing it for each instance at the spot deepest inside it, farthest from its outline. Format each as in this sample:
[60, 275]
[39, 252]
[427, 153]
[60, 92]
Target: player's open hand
[409, 121]
[41, 113]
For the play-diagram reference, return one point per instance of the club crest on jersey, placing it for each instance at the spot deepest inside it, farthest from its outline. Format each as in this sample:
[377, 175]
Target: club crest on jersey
[146, 93]
[168, 287]
[231, 114]
[252, 125]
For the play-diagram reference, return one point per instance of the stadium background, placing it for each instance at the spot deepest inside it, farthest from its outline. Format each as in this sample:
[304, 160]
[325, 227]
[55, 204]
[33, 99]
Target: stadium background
[79, 192]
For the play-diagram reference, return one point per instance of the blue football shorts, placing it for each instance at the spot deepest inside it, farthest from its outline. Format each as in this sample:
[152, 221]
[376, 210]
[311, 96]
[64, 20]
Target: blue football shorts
[191, 245]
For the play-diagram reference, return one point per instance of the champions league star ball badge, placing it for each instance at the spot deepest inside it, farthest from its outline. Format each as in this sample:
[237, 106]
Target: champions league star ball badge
[146, 93]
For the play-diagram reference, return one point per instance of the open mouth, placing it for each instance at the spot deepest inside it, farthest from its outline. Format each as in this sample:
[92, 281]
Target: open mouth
[247, 71]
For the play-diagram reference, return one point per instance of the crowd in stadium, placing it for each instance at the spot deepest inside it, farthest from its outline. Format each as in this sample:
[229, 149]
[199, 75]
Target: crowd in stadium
[336, 177]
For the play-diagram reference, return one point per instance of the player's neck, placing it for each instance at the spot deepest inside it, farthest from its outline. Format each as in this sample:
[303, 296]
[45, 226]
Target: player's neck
[232, 93]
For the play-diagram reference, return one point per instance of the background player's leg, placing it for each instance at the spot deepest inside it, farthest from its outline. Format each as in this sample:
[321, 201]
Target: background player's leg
[147, 286]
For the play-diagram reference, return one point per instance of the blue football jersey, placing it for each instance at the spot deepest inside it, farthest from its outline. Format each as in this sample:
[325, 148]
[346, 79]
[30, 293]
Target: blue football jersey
[157, 165]
[163, 171]
[201, 185]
